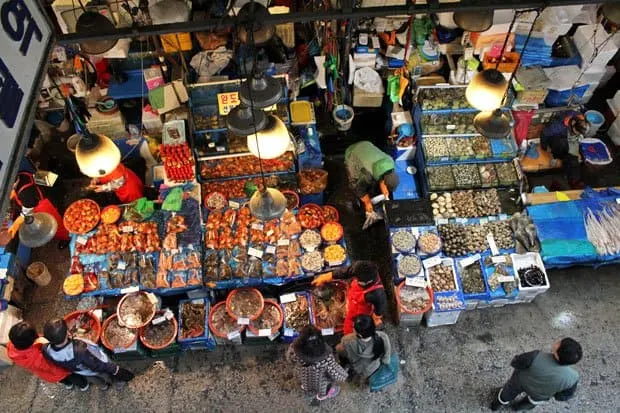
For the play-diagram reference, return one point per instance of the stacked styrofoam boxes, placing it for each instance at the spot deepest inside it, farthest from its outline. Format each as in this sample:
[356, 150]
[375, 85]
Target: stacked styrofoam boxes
[436, 316]
[586, 44]
[519, 261]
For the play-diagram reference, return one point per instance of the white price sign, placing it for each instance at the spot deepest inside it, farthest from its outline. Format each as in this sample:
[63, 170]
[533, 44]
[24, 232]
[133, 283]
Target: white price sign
[442, 221]
[255, 252]
[506, 278]
[500, 259]
[431, 262]
[234, 205]
[233, 335]
[264, 332]
[242, 321]
[257, 226]
[122, 265]
[289, 332]
[130, 290]
[415, 282]
[81, 240]
[492, 244]
[327, 331]
[466, 262]
[288, 298]
[283, 242]
[271, 249]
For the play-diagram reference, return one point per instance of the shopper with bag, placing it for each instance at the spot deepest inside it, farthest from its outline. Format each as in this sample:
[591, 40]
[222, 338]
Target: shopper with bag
[25, 350]
[81, 357]
[541, 376]
[315, 365]
[365, 295]
[366, 349]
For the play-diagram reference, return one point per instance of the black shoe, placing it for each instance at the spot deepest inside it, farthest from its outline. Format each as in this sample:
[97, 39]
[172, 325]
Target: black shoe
[495, 404]
[523, 404]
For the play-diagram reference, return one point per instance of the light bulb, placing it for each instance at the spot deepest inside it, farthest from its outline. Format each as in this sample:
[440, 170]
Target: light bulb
[486, 90]
[270, 142]
[97, 155]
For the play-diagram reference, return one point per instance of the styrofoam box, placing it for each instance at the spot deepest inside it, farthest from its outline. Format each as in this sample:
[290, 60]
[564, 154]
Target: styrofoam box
[483, 304]
[441, 318]
[585, 35]
[471, 304]
[410, 320]
[520, 261]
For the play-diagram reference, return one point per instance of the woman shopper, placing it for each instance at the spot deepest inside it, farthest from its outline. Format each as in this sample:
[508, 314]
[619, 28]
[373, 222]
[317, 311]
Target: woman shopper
[365, 349]
[315, 365]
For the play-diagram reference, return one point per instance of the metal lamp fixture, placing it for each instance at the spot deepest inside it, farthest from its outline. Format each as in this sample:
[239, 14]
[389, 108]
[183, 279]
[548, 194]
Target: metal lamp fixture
[38, 229]
[260, 91]
[270, 142]
[493, 125]
[252, 30]
[97, 155]
[244, 121]
[473, 21]
[91, 22]
[267, 204]
[486, 90]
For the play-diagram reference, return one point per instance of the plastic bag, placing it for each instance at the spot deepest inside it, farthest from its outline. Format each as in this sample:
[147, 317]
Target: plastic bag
[173, 200]
[384, 375]
[139, 210]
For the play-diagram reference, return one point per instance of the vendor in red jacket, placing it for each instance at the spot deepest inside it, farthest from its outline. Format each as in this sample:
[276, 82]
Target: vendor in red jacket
[365, 295]
[123, 181]
[28, 196]
[24, 349]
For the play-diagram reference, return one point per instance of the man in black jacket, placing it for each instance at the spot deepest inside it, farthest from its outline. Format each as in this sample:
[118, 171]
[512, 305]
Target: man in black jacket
[80, 357]
[541, 376]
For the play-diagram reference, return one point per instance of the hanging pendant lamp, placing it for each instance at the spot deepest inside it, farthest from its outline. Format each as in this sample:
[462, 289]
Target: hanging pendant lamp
[261, 91]
[473, 21]
[494, 125]
[486, 90]
[252, 29]
[245, 121]
[267, 204]
[270, 142]
[93, 22]
[97, 155]
[611, 11]
[38, 229]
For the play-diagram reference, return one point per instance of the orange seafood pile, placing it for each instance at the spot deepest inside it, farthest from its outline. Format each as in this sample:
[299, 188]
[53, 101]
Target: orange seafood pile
[125, 237]
[244, 165]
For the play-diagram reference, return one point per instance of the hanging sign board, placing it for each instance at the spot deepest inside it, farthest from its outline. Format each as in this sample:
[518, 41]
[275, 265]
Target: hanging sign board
[25, 41]
[227, 101]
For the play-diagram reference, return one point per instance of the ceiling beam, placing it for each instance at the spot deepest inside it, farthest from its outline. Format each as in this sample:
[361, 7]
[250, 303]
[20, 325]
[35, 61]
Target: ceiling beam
[358, 13]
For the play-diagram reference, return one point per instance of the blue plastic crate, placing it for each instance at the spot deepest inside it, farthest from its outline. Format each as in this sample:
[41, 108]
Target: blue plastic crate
[206, 341]
[557, 98]
[290, 334]
[312, 199]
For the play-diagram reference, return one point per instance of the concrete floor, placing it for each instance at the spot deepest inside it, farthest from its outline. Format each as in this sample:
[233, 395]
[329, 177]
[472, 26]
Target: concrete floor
[446, 369]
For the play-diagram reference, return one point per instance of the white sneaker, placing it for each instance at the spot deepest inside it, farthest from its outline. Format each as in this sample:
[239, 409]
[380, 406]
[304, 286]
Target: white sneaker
[68, 386]
[85, 387]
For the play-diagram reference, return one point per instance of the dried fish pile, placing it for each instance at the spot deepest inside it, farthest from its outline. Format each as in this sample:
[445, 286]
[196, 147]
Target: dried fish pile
[603, 229]
[329, 306]
[193, 319]
[297, 313]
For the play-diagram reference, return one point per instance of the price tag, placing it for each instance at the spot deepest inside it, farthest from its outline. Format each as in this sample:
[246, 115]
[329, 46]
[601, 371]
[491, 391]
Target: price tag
[121, 265]
[158, 320]
[257, 226]
[220, 149]
[264, 332]
[130, 290]
[283, 242]
[3, 273]
[271, 249]
[197, 301]
[288, 298]
[617, 200]
[243, 321]
[255, 252]
[468, 53]
[462, 220]
[500, 259]
[327, 331]
[289, 332]
[450, 127]
[334, 263]
[127, 228]
[269, 233]
[503, 217]
[492, 244]
[415, 282]
[431, 262]
[416, 232]
[233, 335]
[506, 278]
[234, 204]
[483, 221]
[466, 262]
[81, 240]
[491, 219]
[174, 251]
[442, 221]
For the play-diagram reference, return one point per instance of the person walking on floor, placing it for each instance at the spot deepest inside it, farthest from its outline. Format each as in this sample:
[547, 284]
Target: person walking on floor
[315, 365]
[541, 376]
[80, 356]
[365, 349]
[25, 350]
[365, 295]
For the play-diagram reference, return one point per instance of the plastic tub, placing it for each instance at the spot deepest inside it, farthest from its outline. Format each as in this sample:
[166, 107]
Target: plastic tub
[343, 116]
[38, 272]
[412, 317]
[235, 292]
[217, 308]
[268, 303]
[106, 343]
[520, 261]
[168, 342]
[596, 120]
[153, 300]
[93, 321]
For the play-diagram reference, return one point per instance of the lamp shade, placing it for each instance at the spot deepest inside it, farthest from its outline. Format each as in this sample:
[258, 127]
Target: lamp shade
[260, 91]
[270, 142]
[252, 28]
[473, 21]
[38, 229]
[486, 90]
[93, 22]
[244, 121]
[493, 125]
[97, 155]
[611, 11]
[268, 204]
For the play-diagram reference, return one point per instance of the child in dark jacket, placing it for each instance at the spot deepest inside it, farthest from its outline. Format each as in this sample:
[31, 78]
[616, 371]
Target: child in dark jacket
[315, 365]
[81, 357]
